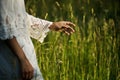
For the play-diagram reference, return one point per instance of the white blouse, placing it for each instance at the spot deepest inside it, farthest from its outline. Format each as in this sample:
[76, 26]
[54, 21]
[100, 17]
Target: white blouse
[16, 22]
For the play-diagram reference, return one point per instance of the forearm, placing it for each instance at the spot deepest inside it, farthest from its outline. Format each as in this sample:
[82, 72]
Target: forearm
[15, 47]
[26, 68]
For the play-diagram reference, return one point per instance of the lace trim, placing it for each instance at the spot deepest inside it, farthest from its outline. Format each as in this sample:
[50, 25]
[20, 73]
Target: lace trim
[37, 33]
[38, 28]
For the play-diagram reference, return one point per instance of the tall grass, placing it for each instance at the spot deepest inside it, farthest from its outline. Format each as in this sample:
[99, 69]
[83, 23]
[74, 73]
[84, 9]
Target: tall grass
[91, 53]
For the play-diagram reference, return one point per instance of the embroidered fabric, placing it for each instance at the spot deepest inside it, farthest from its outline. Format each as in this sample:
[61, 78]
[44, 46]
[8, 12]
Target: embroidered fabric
[38, 28]
[15, 22]
[10, 29]
[12, 18]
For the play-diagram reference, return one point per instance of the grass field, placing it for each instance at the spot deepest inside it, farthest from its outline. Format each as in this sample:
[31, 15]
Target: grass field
[92, 52]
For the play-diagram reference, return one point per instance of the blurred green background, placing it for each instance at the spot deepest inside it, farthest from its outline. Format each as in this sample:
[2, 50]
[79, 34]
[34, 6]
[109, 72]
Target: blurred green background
[92, 52]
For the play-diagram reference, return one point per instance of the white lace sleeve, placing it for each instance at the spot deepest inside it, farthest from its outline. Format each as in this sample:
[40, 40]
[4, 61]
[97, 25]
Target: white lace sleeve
[38, 28]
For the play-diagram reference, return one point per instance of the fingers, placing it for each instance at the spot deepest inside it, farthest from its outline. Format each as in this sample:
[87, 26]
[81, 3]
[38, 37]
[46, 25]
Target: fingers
[32, 74]
[28, 75]
[70, 24]
[67, 29]
[63, 26]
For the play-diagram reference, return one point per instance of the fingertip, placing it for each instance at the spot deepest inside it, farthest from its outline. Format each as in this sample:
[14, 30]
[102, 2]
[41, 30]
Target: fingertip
[23, 76]
[71, 24]
[67, 33]
[73, 30]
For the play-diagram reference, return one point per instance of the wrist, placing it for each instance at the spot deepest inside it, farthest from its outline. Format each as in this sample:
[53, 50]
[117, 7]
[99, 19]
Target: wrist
[23, 59]
[52, 26]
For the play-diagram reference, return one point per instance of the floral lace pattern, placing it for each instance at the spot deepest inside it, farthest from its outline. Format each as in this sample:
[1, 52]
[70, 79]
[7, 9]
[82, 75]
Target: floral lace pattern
[38, 28]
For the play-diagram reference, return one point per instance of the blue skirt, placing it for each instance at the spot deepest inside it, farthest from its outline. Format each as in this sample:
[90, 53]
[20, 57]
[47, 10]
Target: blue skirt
[9, 63]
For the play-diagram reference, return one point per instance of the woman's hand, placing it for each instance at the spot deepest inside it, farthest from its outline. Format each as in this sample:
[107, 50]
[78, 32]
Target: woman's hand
[27, 70]
[63, 26]
[26, 67]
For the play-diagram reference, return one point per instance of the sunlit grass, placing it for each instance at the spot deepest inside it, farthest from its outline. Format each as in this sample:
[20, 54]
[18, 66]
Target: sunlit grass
[91, 53]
